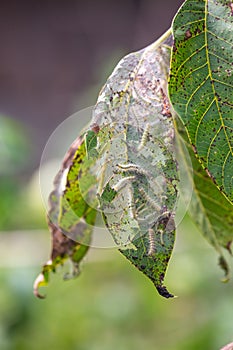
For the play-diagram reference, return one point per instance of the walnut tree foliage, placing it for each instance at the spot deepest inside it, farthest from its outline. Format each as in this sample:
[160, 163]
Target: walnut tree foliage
[173, 98]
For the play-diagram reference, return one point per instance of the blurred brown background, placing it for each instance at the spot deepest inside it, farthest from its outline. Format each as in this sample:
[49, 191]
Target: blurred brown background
[53, 51]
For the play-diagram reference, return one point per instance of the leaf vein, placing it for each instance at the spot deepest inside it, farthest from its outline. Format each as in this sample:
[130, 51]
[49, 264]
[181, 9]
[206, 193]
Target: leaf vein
[216, 216]
[214, 201]
[195, 70]
[223, 168]
[212, 141]
[188, 59]
[218, 57]
[218, 17]
[201, 119]
[222, 82]
[219, 38]
[213, 89]
[195, 91]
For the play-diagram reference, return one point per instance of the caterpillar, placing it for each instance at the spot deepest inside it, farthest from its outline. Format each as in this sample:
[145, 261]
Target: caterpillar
[161, 237]
[122, 183]
[151, 250]
[131, 205]
[151, 201]
[151, 234]
[145, 136]
[134, 168]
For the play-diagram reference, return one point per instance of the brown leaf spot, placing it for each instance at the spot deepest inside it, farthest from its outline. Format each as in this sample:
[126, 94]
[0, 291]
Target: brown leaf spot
[61, 244]
[166, 105]
[188, 34]
[95, 127]
[68, 160]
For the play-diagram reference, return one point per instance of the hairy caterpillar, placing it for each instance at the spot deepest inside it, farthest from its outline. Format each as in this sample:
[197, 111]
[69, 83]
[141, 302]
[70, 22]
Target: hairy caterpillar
[144, 137]
[133, 168]
[151, 234]
[151, 201]
[122, 183]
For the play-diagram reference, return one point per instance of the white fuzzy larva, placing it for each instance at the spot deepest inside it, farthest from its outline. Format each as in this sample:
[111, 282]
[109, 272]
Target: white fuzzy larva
[151, 234]
[151, 201]
[144, 137]
[122, 183]
[161, 236]
[134, 168]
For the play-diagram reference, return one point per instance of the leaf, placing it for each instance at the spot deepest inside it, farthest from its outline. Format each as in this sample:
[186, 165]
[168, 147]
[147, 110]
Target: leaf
[126, 161]
[70, 218]
[201, 86]
[137, 177]
[209, 208]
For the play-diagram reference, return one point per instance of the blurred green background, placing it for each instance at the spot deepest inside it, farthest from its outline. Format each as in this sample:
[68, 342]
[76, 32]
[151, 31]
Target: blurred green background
[111, 305]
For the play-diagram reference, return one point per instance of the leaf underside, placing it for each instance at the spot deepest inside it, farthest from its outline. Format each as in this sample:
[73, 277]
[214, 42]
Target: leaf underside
[138, 181]
[201, 86]
[126, 161]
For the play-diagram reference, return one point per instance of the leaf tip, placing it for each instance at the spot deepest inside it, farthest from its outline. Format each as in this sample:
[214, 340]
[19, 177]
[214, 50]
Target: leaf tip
[162, 290]
[225, 267]
[40, 281]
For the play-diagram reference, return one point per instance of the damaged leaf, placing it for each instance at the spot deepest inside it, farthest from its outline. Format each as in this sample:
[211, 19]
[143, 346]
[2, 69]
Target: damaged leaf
[70, 218]
[137, 184]
[125, 164]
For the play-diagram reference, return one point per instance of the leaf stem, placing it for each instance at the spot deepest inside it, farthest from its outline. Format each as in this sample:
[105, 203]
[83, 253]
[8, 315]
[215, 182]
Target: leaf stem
[162, 38]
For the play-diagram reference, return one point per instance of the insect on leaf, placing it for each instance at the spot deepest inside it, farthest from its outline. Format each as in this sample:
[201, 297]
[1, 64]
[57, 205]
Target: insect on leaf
[124, 164]
[201, 86]
[137, 181]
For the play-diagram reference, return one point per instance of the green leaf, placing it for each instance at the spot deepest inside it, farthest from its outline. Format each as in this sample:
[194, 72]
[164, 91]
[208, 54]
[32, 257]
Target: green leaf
[137, 177]
[201, 86]
[209, 209]
[70, 218]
